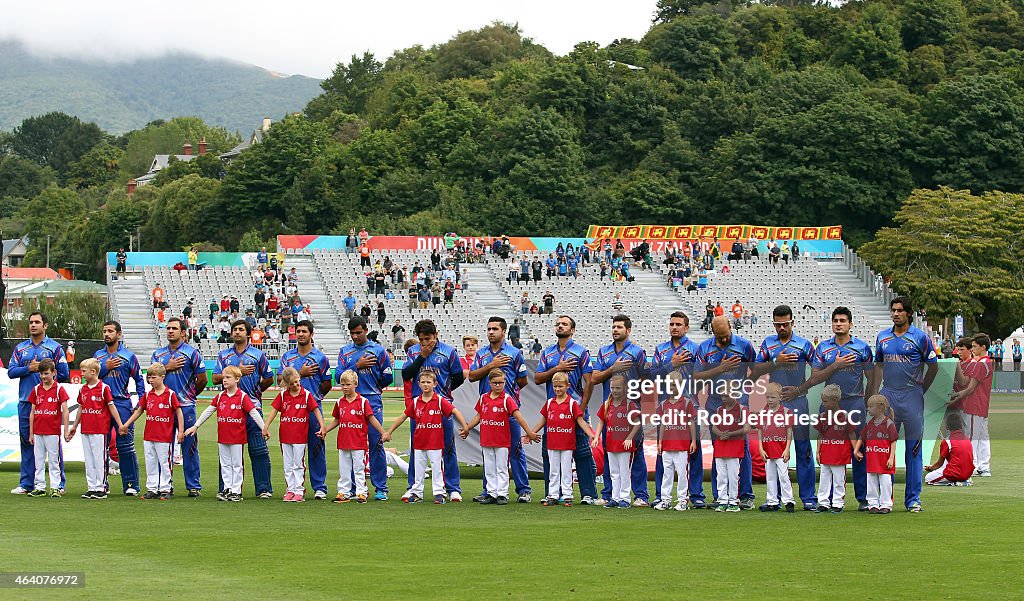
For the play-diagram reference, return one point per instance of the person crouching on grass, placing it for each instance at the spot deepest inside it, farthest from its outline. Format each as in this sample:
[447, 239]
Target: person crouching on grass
[351, 414]
[95, 410]
[774, 437]
[294, 404]
[161, 407]
[878, 445]
[955, 464]
[231, 406]
[561, 415]
[730, 434]
[619, 438]
[49, 403]
[428, 409]
[837, 441]
[492, 413]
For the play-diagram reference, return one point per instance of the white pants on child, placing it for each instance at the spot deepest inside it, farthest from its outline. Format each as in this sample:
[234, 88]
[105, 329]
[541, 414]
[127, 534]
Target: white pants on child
[676, 467]
[879, 491]
[95, 447]
[395, 460]
[158, 465]
[47, 450]
[560, 474]
[294, 460]
[728, 469]
[619, 466]
[776, 472]
[976, 428]
[938, 477]
[832, 482]
[351, 465]
[433, 457]
[496, 471]
[231, 466]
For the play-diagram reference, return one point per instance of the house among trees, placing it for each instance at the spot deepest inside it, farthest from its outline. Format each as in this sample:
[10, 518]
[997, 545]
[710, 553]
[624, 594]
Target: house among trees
[14, 252]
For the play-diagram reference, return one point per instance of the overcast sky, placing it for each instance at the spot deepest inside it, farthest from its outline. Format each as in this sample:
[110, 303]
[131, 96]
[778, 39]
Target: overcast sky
[303, 36]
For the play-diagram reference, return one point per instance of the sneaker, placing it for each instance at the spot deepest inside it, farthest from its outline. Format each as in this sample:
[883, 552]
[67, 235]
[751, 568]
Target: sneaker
[222, 495]
[36, 492]
[713, 504]
[720, 508]
[964, 483]
[264, 495]
[193, 492]
[640, 503]
[862, 505]
[149, 496]
[380, 495]
[872, 510]
[234, 497]
[524, 498]
[441, 499]
[99, 494]
[626, 505]
[342, 498]
[480, 498]
[486, 500]
[502, 501]
[915, 508]
[414, 499]
[746, 504]
[405, 497]
[131, 492]
[681, 506]
[664, 505]
[790, 507]
[360, 498]
[734, 508]
[983, 473]
[17, 490]
[177, 460]
[165, 496]
[567, 503]
[601, 502]
[289, 497]
[700, 505]
[821, 509]
[455, 497]
[549, 501]
[767, 507]
[56, 493]
[884, 510]
[320, 495]
[810, 506]
[87, 494]
[114, 471]
[299, 497]
[836, 510]
[587, 500]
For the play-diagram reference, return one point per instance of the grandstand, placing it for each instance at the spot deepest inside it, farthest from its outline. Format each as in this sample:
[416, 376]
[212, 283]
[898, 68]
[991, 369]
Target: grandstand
[812, 287]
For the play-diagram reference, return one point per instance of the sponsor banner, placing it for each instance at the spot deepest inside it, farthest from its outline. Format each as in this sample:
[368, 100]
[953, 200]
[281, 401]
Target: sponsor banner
[170, 259]
[728, 232]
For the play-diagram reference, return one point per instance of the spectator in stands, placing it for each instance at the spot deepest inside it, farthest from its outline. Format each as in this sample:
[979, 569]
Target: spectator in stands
[524, 303]
[513, 271]
[293, 277]
[815, 342]
[549, 303]
[524, 269]
[1016, 354]
[193, 326]
[122, 261]
[514, 330]
[187, 311]
[379, 283]
[552, 264]
[785, 252]
[435, 259]
[563, 268]
[537, 267]
[737, 311]
[709, 314]
[752, 246]
[193, 258]
[256, 337]
[214, 309]
[604, 269]
[536, 348]
[382, 315]
[233, 305]
[364, 256]
[435, 294]
[617, 303]
[261, 258]
[303, 314]
[366, 311]
[364, 236]
[260, 303]
[158, 296]
[737, 251]
[413, 296]
[225, 330]
[249, 318]
[534, 309]
[424, 297]
[773, 254]
[397, 334]
[796, 250]
[273, 334]
[753, 319]
[204, 333]
[351, 241]
[350, 305]
[449, 295]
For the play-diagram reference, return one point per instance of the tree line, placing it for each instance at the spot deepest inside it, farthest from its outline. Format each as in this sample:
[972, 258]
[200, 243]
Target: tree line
[784, 112]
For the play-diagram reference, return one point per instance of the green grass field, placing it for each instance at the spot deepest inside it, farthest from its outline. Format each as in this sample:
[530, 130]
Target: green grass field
[966, 544]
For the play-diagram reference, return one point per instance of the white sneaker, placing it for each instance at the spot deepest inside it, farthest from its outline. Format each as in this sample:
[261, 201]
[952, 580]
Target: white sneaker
[983, 473]
[177, 460]
[17, 490]
[319, 495]
[265, 495]
[455, 497]
[587, 500]
[601, 502]
[681, 506]
[641, 503]
[131, 492]
[405, 497]
[662, 506]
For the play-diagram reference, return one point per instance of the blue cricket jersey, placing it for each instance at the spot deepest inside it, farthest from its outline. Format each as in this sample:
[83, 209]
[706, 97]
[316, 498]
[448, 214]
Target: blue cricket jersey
[607, 356]
[26, 353]
[709, 354]
[373, 379]
[661, 362]
[515, 369]
[444, 362]
[249, 384]
[182, 381]
[851, 378]
[552, 356]
[903, 358]
[118, 378]
[787, 374]
[315, 357]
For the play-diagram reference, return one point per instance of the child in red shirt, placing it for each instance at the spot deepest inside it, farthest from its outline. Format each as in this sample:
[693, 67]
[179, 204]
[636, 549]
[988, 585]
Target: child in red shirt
[492, 413]
[162, 407]
[561, 415]
[294, 404]
[836, 444]
[231, 406]
[975, 406]
[878, 445]
[351, 414]
[730, 430]
[95, 410]
[956, 457]
[774, 438]
[677, 438]
[49, 403]
[428, 409]
[613, 420]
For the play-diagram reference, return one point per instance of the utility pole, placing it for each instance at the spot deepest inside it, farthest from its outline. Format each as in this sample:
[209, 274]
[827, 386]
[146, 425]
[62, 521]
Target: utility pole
[47, 251]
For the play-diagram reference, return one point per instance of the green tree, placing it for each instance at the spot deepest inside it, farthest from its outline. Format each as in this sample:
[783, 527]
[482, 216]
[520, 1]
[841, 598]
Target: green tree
[474, 53]
[874, 45]
[99, 166]
[40, 212]
[348, 88]
[935, 22]
[21, 178]
[252, 241]
[169, 137]
[693, 47]
[957, 253]
[54, 140]
[75, 315]
[184, 211]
